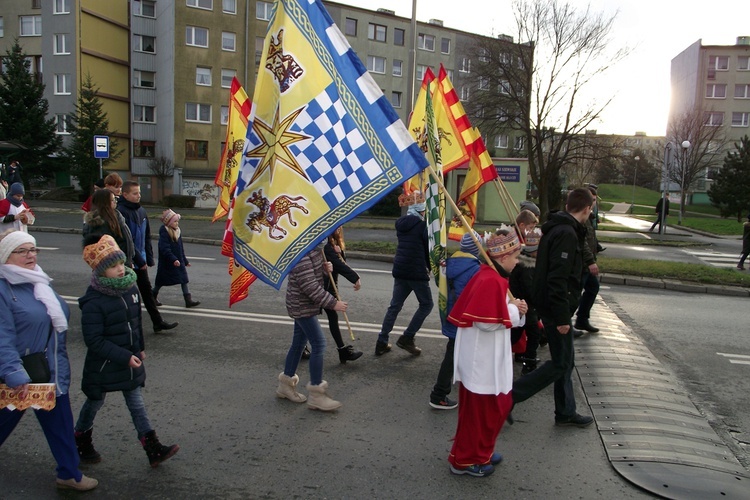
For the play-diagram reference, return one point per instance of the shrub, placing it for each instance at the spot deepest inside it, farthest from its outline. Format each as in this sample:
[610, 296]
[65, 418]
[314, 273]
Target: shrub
[178, 201]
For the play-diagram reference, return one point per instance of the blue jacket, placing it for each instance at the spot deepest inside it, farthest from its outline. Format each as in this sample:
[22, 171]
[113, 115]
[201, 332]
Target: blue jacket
[170, 251]
[459, 269]
[137, 220]
[412, 259]
[24, 330]
[111, 327]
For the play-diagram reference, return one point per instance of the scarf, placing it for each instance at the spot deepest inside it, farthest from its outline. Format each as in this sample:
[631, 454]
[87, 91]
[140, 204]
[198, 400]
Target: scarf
[114, 286]
[16, 275]
[14, 201]
[173, 233]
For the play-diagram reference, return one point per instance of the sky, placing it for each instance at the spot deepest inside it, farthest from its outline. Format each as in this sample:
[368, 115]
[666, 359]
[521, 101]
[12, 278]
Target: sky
[655, 30]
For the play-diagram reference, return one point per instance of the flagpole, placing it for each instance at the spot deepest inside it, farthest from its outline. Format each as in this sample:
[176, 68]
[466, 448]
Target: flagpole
[336, 291]
[505, 199]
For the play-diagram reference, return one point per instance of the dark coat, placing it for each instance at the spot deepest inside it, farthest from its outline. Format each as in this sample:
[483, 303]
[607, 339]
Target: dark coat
[746, 238]
[559, 266]
[111, 327]
[93, 223]
[340, 267]
[169, 251]
[412, 259]
[661, 203]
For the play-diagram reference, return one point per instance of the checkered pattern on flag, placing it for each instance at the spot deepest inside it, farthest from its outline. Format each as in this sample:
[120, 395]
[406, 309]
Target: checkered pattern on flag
[323, 144]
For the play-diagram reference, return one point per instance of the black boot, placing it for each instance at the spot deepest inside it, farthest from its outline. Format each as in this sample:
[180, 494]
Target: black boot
[189, 302]
[163, 325]
[85, 446]
[347, 353]
[157, 452]
[156, 301]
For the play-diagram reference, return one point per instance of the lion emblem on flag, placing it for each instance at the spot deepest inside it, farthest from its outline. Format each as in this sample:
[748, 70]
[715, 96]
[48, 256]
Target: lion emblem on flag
[284, 67]
[270, 213]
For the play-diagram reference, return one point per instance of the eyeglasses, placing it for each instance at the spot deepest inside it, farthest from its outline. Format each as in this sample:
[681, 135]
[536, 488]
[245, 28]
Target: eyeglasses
[23, 252]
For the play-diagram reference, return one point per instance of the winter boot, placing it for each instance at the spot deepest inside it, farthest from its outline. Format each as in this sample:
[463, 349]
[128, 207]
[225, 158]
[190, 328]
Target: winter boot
[157, 452]
[156, 300]
[347, 353]
[319, 400]
[189, 302]
[288, 389]
[86, 450]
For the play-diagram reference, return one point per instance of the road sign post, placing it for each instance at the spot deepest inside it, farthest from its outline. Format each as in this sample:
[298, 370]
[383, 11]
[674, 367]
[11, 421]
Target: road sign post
[101, 150]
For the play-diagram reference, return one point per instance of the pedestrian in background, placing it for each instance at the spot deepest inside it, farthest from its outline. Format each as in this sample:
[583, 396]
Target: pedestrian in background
[86, 207]
[745, 244]
[590, 279]
[662, 210]
[521, 280]
[103, 218]
[111, 327]
[13, 173]
[113, 182]
[173, 263]
[14, 212]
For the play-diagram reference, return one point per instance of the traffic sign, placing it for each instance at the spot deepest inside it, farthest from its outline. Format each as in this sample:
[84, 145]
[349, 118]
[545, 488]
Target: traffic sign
[101, 146]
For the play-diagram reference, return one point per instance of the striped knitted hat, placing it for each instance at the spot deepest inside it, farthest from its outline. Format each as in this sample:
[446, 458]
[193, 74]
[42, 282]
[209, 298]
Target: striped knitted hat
[103, 254]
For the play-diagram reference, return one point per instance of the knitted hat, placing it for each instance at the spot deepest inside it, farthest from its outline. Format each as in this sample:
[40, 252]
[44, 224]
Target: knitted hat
[12, 240]
[103, 254]
[467, 244]
[532, 240]
[16, 188]
[500, 245]
[169, 215]
[531, 207]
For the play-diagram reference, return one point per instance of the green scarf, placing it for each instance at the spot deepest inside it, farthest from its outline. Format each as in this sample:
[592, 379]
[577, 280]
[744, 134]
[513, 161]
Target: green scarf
[114, 286]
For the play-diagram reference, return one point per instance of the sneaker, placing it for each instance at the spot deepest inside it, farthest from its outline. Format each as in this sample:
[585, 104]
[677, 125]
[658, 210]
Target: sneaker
[496, 458]
[382, 348]
[444, 404]
[86, 483]
[475, 470]
[583, 324]
[576, 420]
[407, 344]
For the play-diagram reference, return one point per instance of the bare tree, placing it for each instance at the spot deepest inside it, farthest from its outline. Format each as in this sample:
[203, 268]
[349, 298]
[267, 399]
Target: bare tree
[704, 153]
[163, 169]
[537, 87]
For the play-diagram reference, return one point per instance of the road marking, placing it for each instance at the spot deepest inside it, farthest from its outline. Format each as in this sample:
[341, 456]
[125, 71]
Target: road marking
[742, 359]
[716, 259]
[200, 258]
[375, 271]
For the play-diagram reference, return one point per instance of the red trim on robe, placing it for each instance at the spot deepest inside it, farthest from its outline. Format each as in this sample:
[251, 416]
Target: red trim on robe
[484, 300]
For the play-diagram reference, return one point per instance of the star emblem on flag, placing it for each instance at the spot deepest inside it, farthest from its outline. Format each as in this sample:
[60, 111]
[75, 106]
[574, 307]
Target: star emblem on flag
[275, 142]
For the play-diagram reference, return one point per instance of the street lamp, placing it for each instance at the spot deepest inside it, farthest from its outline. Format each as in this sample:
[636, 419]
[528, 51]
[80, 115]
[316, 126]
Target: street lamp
[635, 173]
[685, 145]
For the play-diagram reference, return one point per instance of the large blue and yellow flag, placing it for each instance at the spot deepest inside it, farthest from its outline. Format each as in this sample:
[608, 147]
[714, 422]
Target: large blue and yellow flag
[323, 143]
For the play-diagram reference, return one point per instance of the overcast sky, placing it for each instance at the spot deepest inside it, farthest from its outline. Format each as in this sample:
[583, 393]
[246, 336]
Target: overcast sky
[656, 30]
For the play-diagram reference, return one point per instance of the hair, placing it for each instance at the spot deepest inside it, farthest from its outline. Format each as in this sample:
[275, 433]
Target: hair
[578, 200]
[101, 201]
[592, 189]
[113, 179]
[337, 237]
[128, 186]
[526, 217]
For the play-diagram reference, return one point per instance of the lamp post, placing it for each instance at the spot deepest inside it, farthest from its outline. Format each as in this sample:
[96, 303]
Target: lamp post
[685, 145]
[635, 173]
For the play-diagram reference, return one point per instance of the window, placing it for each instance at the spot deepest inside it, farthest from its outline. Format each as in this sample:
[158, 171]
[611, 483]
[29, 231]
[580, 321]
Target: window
[263, 10]
[62, 84]
[396, 99]
[36, 4]
[201, 4]
[61, 124]
[146, 79]
[421, 68]
[740, 119]
[351, 26]
[203, 76]
[195, 36]
[259, 41]
[229, 6]
[144, 8]
[716, 91]
[445, 45]
[2, 27]
[376, 64]
[484, 83]
[713, 119]
[376, 32]
[143, 43]
[450, 74]
[465, 65]
[144, 149]
[742, 91]
[145, 114]
[426, 42]
[519, 143]
[61, 44]
[226, 77]
[743, 63]
[501, 142]
[484, 55]
[30, 25]
[228, 41]
[398, 67]
[196, 150]
[720, 63]
[224, 115]
[504, 87]
[505, 58]
[398, 36]
[61, 7]
[464, 94]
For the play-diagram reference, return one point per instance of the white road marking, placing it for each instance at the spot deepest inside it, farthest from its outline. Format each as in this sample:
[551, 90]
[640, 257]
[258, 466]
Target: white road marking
[736, 359]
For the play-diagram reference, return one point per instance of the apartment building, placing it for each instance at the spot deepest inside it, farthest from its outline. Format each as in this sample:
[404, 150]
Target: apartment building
[714, 80]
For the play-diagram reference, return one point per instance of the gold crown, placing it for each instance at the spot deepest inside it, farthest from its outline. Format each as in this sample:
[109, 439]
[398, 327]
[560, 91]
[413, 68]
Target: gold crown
[407, 200]
[499, 245]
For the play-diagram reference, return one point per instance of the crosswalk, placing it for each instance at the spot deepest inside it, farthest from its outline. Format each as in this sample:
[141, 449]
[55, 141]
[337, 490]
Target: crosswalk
[716, 259]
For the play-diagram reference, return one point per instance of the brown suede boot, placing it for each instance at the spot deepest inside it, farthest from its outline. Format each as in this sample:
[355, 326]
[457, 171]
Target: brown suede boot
[288, 389]
[319, 399]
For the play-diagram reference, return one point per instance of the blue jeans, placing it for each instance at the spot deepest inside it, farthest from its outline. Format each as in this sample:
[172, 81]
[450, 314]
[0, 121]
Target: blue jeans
[134, 402]
[401, 290]
[306, 330]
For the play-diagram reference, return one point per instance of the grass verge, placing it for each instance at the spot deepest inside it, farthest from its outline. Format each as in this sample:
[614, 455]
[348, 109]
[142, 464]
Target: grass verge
[691, 273]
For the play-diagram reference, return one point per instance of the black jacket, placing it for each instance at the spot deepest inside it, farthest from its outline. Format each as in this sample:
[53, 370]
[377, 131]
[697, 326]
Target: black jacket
[412, 259]
[340, 267]
[559, 265]
[111, 327]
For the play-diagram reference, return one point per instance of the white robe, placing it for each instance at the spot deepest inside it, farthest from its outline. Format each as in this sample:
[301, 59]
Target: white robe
[17, 224]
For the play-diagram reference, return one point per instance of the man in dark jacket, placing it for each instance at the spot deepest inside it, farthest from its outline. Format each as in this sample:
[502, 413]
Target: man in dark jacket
[129, 205]
[557, 289]
[590, 278]
[411, 273]
[661, 206]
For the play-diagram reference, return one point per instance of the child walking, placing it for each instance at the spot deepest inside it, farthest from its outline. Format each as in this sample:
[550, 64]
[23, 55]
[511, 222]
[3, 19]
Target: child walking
[173, 264]
[111, 326]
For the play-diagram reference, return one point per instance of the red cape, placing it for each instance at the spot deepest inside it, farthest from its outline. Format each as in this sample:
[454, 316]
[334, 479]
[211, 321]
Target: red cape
[483, 300]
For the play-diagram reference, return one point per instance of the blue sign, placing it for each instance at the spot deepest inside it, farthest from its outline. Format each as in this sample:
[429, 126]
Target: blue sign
[101, 146]
[509, 173]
